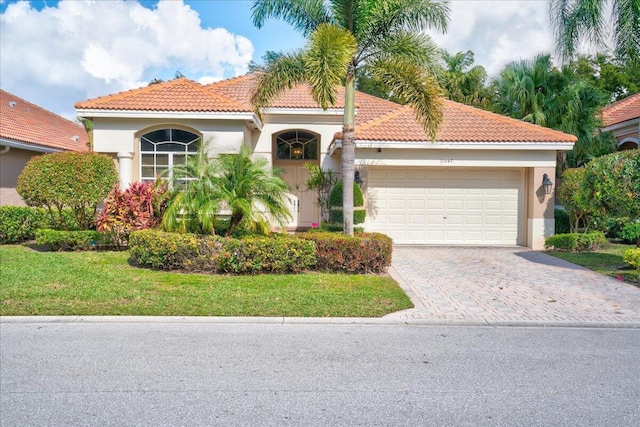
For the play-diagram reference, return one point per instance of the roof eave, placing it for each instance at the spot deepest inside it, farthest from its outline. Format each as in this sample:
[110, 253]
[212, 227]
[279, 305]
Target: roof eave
[464, 145]
[29, 146]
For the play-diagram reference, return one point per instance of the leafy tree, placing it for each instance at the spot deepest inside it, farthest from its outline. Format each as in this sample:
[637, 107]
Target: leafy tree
[385, 37]
[537, 92]
[613, 183]
[464, 83]
[204, 186]
[322, 181]
[574, 196]
[611, 75]
[78, 181]
[585, 20]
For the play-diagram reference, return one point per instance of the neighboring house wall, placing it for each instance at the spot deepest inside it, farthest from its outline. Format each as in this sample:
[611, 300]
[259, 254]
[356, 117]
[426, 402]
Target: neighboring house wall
[11, 164]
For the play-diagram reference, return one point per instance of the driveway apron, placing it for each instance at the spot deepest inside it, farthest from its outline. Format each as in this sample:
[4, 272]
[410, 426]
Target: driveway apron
[508, 286]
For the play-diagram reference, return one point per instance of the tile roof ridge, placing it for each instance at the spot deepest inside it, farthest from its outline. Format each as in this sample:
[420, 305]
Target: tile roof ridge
[506, 119]
[226, 82]
[385, 117]
[138, 90]
[44, 110]
[376, 98]
[210, 92]
[622, 103]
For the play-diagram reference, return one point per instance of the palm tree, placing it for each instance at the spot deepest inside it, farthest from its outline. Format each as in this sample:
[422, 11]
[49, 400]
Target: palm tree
[383, 37]
[575, 20]
[204, 186]
[464, 82]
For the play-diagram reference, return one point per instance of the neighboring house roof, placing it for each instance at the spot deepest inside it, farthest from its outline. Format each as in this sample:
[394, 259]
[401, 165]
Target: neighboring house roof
[376, 119]
[621, 111]
[26, 123]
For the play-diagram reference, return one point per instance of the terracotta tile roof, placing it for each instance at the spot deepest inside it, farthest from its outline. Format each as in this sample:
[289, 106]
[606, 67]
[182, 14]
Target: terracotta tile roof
[462, 123]
[621, 111]
[377, 119]
[175, 95]
[25, 122]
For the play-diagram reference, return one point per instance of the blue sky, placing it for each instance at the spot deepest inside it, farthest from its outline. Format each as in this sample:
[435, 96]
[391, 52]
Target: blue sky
[55, 53]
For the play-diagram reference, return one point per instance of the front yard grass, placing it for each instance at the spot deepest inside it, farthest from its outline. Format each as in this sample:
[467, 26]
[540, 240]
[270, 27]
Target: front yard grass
[103, 283]
[607, 260]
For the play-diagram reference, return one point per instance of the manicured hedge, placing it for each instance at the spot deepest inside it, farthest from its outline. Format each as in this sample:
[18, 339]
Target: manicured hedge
[363, 253]
[335, 202]
[580, 242]
[59, 240]
[630, 233]
[19, 224]
[563, 224]
[214, 254]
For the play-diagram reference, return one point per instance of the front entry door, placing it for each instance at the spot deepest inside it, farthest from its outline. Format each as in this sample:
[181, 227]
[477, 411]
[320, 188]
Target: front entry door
[303, 202]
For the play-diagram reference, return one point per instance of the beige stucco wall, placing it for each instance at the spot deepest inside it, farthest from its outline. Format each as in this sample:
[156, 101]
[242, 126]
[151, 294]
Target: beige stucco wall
[540, 216]
[11, 165]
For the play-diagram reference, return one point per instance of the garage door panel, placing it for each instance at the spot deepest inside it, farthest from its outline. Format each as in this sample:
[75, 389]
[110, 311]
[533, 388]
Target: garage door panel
[447, 205]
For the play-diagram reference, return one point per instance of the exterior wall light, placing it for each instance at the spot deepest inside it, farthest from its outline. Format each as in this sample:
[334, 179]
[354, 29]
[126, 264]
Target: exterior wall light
[547, 184]
[356, 178]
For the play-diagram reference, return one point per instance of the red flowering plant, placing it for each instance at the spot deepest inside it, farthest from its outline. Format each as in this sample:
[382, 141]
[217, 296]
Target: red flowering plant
[138, 207]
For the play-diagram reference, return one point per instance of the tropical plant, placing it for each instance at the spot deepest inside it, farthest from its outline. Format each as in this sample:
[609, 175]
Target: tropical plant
[383, 37]
[321, 181]
[537, 92]
[77, 181]
[139, 206]
[464, 82]
[579, 20]
[204, 187]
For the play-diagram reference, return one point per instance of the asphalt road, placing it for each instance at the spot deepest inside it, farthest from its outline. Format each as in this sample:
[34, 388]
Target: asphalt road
[205, 373]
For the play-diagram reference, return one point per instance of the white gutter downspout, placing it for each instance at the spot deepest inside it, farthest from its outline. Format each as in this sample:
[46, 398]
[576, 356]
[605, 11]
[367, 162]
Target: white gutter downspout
[5, 150]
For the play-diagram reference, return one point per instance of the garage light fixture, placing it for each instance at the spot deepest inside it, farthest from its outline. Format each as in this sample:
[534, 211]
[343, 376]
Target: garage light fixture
[547, 184]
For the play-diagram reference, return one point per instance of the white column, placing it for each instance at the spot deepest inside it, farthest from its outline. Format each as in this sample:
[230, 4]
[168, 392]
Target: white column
[125, 163]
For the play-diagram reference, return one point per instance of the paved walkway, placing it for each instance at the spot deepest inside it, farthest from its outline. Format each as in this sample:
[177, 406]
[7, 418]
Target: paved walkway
[508, 286]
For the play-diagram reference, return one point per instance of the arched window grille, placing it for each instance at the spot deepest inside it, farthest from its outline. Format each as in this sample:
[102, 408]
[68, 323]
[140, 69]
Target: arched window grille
[296, 145]
[162, 149]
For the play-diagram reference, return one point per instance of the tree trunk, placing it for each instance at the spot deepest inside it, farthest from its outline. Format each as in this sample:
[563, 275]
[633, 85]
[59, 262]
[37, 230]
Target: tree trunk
[348, 155]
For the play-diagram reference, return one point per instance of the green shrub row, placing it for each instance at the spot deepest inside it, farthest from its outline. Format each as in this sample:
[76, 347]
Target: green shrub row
[19, 223]
[581, 242]
[630, 233]
[60, 240]
[563, 225]
[363, 253]
[330, 252]
[214, 254]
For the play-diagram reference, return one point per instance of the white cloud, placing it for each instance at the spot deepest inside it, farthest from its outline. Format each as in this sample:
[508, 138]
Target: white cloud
[80, 49]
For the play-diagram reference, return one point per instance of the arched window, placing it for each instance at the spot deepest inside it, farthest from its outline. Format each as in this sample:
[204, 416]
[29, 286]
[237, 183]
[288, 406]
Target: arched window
[296, 145]
[162, 149]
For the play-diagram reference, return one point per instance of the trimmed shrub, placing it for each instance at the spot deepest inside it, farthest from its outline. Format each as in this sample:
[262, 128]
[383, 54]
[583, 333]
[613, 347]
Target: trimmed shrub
[363, 253]
[138, 207]
[632, 257]
[335, 202]
[60, 240]
[581, 242]
[19, 224]
[213, 254]
[563, 224]
[78, 181]
[630, 233]
[562, 242]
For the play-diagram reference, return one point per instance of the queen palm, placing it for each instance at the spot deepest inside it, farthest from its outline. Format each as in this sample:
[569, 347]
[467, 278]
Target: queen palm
[347, 36]
[575, 20]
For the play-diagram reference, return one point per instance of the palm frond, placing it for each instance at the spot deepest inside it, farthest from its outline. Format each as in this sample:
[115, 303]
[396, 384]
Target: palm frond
[303, 15]
[283, 73]
[417, 48]
[413, 86]
[627, 28]
[327, 59]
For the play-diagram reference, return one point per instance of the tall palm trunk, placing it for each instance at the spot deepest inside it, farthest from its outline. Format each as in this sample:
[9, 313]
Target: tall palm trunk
[348, 154]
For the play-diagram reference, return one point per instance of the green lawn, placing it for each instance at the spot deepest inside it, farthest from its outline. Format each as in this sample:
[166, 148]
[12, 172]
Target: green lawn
[605, 261]
[103, 283]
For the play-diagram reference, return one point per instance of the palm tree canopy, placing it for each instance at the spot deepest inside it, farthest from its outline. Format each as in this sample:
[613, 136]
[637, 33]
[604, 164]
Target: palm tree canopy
[586, 20]
[383, 36]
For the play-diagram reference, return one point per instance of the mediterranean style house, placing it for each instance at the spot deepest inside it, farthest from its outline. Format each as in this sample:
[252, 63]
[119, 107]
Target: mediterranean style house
[622, 118]
[26, 131]
[479, 183]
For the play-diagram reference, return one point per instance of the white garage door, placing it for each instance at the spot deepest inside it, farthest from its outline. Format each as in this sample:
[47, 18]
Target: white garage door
[446, 206]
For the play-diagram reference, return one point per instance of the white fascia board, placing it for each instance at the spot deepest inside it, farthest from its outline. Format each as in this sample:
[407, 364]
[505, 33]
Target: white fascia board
[26, 146]
[621, 125]
[554, 146]
[130, 114]
[303, 111]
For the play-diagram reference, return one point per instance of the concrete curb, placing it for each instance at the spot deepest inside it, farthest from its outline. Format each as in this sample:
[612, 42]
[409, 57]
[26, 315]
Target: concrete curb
[308, 321]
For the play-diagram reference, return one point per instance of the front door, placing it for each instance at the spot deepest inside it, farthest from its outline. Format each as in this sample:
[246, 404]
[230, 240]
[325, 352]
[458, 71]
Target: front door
[302, 202]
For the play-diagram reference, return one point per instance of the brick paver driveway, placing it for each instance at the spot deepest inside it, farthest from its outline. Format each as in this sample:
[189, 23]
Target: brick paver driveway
[508, 286]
